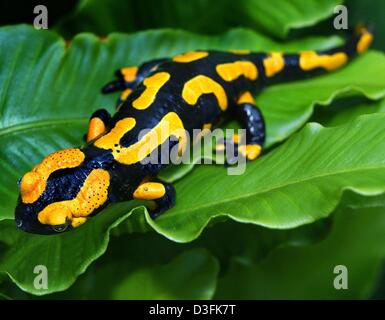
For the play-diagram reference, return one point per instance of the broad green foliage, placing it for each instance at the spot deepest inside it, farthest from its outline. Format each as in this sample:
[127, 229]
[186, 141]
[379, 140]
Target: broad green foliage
[193, 277]
[65, 256]
[356, 241]
[347, 109]
[203, 16]
[50, 87]
[148, 273]
[152, 252]
[324, 163]
[278, 17]
[190, 275]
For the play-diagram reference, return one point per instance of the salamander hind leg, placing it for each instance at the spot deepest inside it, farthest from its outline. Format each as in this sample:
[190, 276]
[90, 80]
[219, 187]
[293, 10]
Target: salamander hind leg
[251, 119]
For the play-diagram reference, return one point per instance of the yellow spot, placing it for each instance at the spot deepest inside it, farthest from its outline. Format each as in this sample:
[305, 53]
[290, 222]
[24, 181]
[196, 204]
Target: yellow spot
[250, 151]
[207, 126]
[96, 127]
[169, 125]
[92, 195]
[200, 85]
[309, 60]
[129, 73]
[365, 41]
[190, 56]
[240, 51]
[125, 94]
[112, 138]
[246, 97]
[76, 222]
[233, 70]
[34, 182]
[55, 214]
[30, 185]
[153, 85]
[273, 64]
[149, 191]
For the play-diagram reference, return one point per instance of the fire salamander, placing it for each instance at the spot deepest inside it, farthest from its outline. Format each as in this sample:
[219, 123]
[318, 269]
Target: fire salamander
[189, 91]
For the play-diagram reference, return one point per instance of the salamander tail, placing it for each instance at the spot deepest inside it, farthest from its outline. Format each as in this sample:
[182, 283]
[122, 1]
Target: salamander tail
[283, 67]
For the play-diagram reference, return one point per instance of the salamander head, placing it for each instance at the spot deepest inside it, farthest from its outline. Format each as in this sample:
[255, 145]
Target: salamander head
[61, 192]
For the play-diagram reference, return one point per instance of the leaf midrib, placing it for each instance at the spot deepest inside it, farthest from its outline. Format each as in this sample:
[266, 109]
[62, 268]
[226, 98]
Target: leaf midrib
[38, 124]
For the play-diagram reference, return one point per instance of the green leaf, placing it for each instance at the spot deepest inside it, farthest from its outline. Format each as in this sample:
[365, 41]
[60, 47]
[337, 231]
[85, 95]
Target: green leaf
[253, 242]
[297, 183]
[190, 275]
[356, 241]
[355, 201]
[66, 256]
[48, 92]
[4, 297]
[138, 265]
[130, 253]
[193, 277]
[346, 110]
[276, 17]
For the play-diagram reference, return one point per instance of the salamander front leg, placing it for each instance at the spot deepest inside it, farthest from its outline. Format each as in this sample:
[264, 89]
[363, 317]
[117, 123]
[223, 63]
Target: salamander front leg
[98, 124]
[163, 194]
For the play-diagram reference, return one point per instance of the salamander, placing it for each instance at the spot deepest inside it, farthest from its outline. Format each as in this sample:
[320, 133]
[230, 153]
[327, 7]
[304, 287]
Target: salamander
[168, 97]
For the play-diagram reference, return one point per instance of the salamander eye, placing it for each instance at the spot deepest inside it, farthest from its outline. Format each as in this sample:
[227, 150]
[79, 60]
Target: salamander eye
[60, 228]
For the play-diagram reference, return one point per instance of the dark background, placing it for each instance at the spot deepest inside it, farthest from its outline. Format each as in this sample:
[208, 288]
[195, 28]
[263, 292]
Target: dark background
[21, 11]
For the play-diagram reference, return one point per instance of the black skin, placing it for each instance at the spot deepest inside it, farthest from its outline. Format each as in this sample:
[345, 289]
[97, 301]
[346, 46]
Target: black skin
[65, 184]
